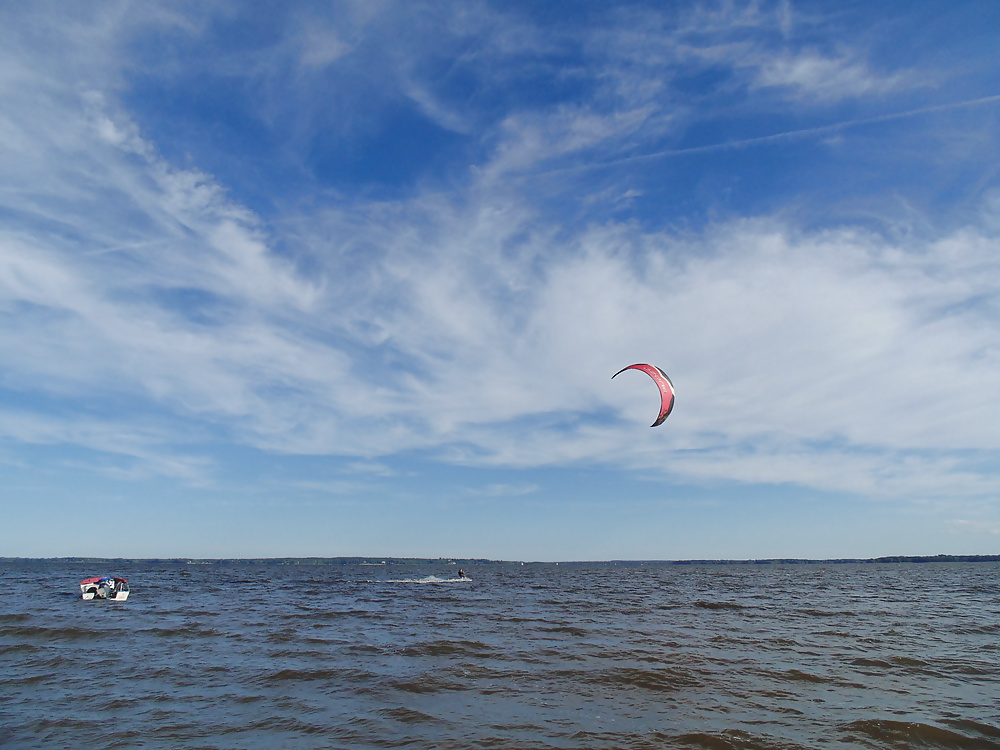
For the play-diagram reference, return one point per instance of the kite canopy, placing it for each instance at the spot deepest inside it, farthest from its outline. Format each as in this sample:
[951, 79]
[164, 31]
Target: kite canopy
[662, 382]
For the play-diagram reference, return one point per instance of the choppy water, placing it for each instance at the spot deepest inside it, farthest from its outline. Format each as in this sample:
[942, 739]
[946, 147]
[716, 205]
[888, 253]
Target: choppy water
[650, 656]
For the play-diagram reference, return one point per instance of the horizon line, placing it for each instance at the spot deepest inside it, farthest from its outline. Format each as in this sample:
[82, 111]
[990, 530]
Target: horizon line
[389, 559]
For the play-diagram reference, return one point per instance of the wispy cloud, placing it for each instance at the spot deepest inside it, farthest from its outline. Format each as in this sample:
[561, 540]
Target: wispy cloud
[503, 490]
[986, 527]
[477, 325]
[830, 79]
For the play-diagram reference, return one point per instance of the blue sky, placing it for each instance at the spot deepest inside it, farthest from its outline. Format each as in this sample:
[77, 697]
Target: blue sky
[352, 278]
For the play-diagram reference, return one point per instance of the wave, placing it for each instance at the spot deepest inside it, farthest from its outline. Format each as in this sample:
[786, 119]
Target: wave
[662, 680]
[732, 739]
[567, 629]
[917, 734]
[447, 648]
[408, 716]
[718, 605]
[590, 659]
[332, 675]
[428, 683]
[58, 633]
[188, 631]
[18, 648]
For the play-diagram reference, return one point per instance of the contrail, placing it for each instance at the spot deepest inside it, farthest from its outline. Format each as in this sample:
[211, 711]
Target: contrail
[787, 135]
[126, 246]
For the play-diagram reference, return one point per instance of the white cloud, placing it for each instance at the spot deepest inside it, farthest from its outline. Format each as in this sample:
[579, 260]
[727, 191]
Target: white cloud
[480, 328]
[503, 490]
[320, 47]
[796, 343]
[505, 336]
[127, 448]
[814, 76]
[984, 527]
[529, 140]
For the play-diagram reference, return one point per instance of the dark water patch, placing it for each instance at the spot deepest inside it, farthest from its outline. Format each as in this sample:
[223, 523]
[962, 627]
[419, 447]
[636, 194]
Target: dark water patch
[569, 657]
[123, 738]
[43, 633]
[846, 634]
[286, 724]
[332, 675]
[974, 728]
[41, 726]
[18, 648]
[162, 673]
[991, 671]
[783, 642]
[493, 680]
[725, 638]
[247, 698]
[428, 683]
[587, 739]
[283, 636]
[874, 663]
[718, 605]
[493, 742]
[570, 630]
[290, 653]
[32, 679]
[51, 662]
[660, 680]
[514, 619]
[318, 641]
[908, 734]
[553, 654]
[908, 661]
[826, 613]
[795, 674]
[446, 648]
[118, 704]
[983, 629]
[192, 631]
[185, 730]
[802, 676]
[409, 716]
[732, 739]
[332, 615]
[364, 649]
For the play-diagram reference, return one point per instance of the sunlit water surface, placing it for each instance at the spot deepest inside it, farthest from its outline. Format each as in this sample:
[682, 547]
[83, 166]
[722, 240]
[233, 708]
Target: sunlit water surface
[569, 656]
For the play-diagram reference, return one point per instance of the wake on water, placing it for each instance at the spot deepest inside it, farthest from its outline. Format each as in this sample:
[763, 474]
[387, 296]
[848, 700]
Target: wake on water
[426, 579]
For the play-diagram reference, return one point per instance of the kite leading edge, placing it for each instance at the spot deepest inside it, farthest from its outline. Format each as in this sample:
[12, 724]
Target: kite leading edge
[662, 382]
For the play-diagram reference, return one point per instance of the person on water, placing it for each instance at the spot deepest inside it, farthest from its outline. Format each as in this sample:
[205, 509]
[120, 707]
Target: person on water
[461, 573]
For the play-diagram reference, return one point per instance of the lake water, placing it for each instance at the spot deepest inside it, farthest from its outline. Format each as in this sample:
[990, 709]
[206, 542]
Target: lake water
[535, 656]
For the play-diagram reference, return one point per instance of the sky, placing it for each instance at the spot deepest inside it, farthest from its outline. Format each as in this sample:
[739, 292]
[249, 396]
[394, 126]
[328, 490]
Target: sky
[307, 278]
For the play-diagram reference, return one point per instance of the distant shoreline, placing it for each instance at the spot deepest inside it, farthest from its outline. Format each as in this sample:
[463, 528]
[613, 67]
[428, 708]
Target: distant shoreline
[475, 561]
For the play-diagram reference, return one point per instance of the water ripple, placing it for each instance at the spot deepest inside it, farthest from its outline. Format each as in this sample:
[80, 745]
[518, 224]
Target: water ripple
[630, 657]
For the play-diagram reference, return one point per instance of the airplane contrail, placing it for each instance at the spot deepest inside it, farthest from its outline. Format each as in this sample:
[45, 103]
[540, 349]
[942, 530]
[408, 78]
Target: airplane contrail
[788, 134]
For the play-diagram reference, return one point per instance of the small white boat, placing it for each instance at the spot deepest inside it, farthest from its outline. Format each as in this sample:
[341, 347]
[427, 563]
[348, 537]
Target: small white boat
[107, 587]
